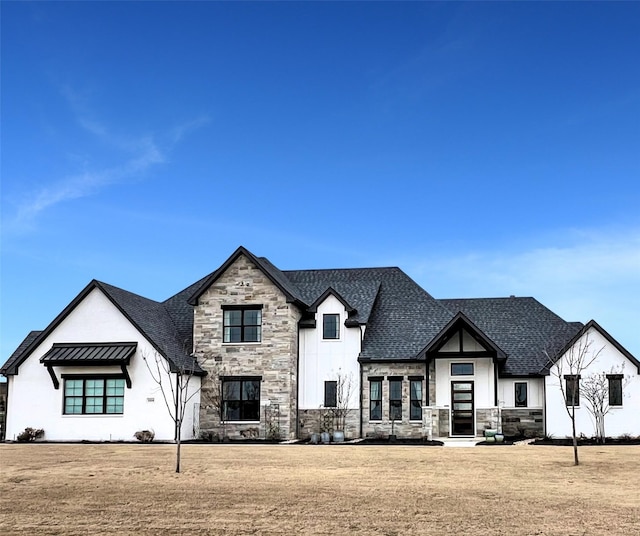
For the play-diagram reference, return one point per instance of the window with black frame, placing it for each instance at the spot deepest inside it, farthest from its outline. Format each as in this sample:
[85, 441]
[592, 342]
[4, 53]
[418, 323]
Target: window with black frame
[331, 326]
[615, 389]
[395, 399]
[330, 394]
[375, 399]
[415, 388]
[521, 396]
[241, 399]
[572, 390]
[242, 324]
[93, 396]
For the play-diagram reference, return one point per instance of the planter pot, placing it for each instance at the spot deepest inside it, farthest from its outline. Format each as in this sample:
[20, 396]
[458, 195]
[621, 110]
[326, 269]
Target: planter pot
[338, 436]
[325, 437]
[314, 439]
[490, 439]
[499, 438]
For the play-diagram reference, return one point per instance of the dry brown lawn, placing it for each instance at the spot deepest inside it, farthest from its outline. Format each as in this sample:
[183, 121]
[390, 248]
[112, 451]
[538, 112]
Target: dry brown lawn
[228, 489]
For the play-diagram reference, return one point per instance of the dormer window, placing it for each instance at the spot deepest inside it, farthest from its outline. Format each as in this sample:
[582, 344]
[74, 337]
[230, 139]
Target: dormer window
[242, 324]
[331, 326]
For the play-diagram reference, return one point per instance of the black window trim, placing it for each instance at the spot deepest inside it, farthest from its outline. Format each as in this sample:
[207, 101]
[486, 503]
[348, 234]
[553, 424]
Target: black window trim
[473, 368]
[515, 398]
[395, 403]
[375, 379]
[240, 379]
[575, 379]
[338, 330]
[618, 378]
[334, 394]
[84, 396]
[243, 308]
[419, 379]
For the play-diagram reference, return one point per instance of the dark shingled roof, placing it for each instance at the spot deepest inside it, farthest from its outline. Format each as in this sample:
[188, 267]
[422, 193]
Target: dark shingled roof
[525, 329]
[401, 317]
[9, 366]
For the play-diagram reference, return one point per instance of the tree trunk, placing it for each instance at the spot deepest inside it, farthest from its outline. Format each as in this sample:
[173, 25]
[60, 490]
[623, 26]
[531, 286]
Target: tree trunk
[576, 461]
[178, 437]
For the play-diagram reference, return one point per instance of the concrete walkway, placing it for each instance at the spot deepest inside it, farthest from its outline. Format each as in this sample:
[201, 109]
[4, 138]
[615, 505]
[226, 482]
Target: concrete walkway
[460, 441]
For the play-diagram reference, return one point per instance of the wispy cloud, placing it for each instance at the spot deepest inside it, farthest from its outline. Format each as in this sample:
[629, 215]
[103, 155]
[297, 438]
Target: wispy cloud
[131, 158]
[596, 274]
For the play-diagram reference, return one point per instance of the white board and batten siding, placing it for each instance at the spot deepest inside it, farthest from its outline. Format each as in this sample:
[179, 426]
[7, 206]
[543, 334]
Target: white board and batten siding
[322, 359]
[34, 402]
[620, 420]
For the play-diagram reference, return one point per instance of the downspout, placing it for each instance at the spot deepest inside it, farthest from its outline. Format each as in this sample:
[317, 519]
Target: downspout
[298, 384]
[361, 384]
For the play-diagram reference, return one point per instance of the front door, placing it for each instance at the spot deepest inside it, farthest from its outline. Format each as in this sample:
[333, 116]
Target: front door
[462, 409]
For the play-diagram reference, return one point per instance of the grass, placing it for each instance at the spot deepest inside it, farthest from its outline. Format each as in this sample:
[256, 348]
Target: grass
[303, 489]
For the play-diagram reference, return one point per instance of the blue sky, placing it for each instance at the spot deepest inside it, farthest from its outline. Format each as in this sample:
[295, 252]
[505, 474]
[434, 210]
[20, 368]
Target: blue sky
[488, 149]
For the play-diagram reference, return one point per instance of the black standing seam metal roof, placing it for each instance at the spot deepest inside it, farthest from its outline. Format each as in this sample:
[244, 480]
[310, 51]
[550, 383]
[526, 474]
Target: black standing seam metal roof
[82, 353]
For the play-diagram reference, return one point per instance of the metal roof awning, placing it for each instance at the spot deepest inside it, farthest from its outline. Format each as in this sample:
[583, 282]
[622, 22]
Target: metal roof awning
[89, 354]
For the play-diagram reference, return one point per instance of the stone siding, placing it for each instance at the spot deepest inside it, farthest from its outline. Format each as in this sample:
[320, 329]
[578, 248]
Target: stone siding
[274, 359]
[404, 428]
[314, 421]
[486, 418]
[527, 422]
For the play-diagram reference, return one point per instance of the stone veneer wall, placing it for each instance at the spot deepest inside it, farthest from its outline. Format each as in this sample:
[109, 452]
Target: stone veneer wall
[314, 421]
[486, 418]
[527, 422]
[404, 428]
[274, 359]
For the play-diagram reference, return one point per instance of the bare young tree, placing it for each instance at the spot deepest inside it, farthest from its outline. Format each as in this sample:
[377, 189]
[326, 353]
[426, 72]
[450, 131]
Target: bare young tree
[597, 393]
[175, 394]
[344, 389]
[568, 369]
[214, 396]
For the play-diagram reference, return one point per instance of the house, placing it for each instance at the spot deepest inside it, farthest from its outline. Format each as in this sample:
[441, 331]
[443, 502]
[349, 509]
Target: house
[273, 352]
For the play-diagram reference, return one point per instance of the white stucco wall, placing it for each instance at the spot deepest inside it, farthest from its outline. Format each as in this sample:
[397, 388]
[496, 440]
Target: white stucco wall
[619, 420]
[535, 392]
[33, 401]
[320, 360]
[483, 381]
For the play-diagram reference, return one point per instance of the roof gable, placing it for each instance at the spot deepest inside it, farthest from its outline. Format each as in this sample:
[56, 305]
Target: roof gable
[592, 324]
[268, 269]
[149, 318]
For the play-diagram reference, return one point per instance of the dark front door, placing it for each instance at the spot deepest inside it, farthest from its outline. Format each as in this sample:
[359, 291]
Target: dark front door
[462, 408]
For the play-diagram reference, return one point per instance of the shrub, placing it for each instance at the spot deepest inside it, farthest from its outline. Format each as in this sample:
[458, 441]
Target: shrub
[145, 436]
[30, 434]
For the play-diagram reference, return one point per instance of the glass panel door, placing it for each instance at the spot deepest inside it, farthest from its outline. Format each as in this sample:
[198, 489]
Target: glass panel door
[462, 422]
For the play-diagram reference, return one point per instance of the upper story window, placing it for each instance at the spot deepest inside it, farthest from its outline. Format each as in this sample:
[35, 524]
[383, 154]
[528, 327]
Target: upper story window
[462, 369]
[242, 323]
[331, 326]
[93, 396]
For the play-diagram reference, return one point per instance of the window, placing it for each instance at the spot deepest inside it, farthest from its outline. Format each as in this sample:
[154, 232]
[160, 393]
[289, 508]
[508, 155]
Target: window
[330, 394]
[572, 390]
[241, 399]
[615, 389]
[93, 396]
[462, 369]
[375, 399]
[395, 399]
[242, 324]
[415, 389]
[521, 394]
[331, 326]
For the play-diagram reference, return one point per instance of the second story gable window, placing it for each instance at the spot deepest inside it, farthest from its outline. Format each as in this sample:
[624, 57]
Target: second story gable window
[242, 324]
[331, 326]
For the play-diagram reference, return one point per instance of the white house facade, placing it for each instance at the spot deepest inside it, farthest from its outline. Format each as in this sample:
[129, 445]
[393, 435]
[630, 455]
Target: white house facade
[272, 353]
